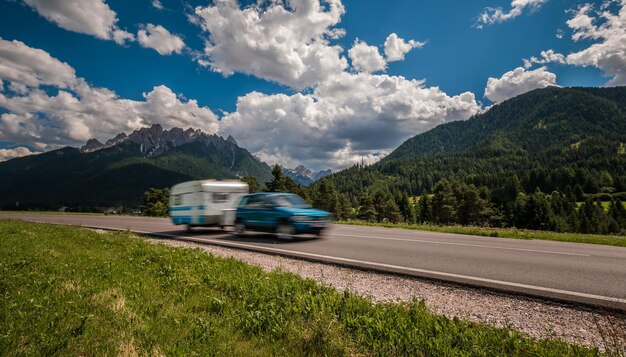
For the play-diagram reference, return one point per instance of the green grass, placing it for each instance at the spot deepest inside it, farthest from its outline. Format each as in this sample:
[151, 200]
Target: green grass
[618, 241]
[70, 291]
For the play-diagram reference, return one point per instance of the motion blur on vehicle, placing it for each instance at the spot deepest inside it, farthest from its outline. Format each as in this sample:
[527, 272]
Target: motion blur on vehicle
[205, 203]
[285, 214]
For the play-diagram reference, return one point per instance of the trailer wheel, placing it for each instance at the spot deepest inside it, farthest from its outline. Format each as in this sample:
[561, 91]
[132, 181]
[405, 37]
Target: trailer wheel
[189, 228]
[240, 229]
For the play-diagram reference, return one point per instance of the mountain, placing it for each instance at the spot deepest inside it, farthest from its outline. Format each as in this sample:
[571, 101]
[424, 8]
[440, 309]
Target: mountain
[550, 138]
[304, 176]
[120, 170]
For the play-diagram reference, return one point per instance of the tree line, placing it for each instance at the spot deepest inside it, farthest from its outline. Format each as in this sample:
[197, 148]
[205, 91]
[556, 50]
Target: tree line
[450, 203]
[457, 203]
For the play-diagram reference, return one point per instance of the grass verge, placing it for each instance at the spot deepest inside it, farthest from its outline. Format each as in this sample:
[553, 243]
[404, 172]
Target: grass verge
[618, 241]
[72, 291]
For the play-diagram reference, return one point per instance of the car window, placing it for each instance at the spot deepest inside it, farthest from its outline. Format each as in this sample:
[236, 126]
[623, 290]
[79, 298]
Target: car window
[289, 201]
[252, 202]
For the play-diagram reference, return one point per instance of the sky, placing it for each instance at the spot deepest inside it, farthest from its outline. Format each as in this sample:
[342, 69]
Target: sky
[324, 83]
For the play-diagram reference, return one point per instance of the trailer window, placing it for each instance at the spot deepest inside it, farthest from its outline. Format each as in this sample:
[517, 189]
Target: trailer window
[177, 200]
[220, 197]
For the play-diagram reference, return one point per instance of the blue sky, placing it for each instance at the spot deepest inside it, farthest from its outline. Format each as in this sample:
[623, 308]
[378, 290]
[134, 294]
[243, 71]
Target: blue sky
[456, 58]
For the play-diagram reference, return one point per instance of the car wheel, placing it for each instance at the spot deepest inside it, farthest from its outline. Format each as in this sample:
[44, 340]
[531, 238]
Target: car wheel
[240, 229]
[285, 231]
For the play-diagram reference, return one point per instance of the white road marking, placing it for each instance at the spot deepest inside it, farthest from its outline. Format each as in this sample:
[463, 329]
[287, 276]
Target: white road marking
[464, 244]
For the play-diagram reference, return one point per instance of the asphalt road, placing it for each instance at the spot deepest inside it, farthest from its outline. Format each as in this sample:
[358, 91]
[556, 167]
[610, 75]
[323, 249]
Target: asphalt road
[573, 272]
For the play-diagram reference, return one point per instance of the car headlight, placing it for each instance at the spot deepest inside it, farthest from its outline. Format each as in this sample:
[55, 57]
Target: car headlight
[298, 218]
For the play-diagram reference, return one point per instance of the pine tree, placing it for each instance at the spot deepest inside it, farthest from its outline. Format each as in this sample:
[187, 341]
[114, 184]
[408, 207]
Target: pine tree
[344, 210]
[391, 212]
[253, 184]
[406, 209]
[366, 209]
[618, 213]
[278, 183]
[424, 211]
[326, 197]
[444, 203]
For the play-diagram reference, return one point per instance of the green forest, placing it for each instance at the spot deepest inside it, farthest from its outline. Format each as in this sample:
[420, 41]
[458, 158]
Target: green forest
[551, 159]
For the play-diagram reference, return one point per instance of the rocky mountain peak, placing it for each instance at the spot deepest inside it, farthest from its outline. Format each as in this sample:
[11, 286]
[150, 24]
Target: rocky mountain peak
[154, 140]
[231, 140]
[92, 145]
[305, 176]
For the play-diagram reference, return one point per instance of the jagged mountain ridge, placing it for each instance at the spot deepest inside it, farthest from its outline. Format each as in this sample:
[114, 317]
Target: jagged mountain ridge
[120, 170]
[305, 176]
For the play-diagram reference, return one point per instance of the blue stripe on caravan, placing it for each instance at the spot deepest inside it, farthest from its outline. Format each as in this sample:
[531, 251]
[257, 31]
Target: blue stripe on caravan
[185, 208]
[180, 208]
[181, 219]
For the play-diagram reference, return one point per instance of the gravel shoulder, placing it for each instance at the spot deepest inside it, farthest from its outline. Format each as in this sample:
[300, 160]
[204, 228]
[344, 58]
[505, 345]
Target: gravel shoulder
[536, 318]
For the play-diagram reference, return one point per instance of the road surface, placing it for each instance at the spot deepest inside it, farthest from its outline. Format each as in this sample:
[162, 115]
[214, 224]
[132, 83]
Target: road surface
[573, 272]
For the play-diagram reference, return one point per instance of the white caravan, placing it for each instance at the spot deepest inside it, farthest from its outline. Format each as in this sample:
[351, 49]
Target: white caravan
[206, 202]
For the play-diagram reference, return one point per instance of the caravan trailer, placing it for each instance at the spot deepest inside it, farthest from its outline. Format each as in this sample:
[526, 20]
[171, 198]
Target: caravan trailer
[206, 202]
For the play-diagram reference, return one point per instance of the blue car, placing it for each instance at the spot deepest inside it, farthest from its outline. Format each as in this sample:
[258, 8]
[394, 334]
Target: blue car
[284, 214]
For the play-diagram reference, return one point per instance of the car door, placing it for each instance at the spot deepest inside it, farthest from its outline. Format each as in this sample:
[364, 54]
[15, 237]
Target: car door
[247, 210]
[268, 215]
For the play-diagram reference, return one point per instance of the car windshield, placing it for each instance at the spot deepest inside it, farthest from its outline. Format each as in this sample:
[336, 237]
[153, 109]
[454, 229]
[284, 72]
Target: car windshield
[290, 201]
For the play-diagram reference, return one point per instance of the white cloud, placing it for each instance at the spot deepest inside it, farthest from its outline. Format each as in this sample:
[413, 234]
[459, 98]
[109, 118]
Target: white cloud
[91, 17]
[366, 58]
[8, 154]
[548, 56]
[492, 15]
[560, 34]
[160, 39]
[608, 30]
[76, 111]
[25, 66]
[157, 5]
[346, 118]
[517, 82]
[396, 47]
[288, 45]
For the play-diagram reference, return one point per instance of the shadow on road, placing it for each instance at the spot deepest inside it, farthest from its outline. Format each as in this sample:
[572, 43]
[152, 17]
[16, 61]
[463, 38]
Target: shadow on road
[250, 237]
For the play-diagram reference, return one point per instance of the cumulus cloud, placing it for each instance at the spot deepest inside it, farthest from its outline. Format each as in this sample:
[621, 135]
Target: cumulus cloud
[157, 5]
[366, 58]
[491, 15]
[343, 117]
[608, 31]
[160, 39]
[25, 66]
[549, 56]
[518, 81]
[396, 47]
[91, 17]
[73, 111]
[349, 117]
[276, 42]
[8, 154]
